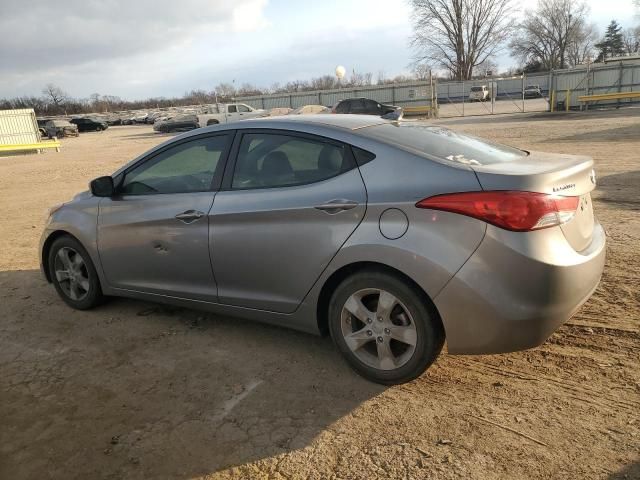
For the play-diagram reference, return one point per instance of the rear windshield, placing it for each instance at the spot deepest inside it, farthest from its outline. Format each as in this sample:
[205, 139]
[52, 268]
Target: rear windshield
[444, 144]
[476, 89]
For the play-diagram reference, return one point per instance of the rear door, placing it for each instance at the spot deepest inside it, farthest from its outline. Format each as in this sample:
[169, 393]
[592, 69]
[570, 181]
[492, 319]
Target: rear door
[153, 235]
[286, 207]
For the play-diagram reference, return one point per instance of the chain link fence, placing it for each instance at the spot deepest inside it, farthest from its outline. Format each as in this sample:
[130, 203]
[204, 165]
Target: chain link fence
[539, 92]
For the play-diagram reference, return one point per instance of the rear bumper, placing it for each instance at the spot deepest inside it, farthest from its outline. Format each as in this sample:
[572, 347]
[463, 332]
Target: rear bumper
[516, 290]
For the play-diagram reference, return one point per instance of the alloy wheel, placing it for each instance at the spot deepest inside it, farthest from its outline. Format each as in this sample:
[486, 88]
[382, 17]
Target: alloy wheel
[71, 273]
[378, 328]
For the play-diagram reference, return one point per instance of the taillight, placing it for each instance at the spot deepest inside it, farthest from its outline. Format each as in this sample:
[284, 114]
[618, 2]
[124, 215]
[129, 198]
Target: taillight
[512, 210]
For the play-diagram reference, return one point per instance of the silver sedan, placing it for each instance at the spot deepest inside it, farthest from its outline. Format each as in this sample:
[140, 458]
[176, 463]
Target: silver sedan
[389, 236]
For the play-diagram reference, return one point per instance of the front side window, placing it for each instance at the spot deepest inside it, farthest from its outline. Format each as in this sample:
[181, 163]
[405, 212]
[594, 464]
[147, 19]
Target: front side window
[243, 108]
[373, 107]
[187, 167]
[268, 160]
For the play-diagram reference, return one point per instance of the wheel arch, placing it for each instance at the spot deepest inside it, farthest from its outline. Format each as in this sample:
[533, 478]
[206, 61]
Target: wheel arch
[345, 271]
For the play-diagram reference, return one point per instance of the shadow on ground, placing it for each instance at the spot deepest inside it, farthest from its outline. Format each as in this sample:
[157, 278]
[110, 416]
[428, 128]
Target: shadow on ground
[133, 389]
[542, 117]
[628, 133]
[620, 188]
[147, 134]
[630, 472]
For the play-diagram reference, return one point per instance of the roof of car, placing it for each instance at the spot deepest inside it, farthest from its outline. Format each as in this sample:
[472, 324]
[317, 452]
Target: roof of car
[347, 122]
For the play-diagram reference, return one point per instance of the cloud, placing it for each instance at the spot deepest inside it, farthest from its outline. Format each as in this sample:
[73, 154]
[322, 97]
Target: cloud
[46, 35]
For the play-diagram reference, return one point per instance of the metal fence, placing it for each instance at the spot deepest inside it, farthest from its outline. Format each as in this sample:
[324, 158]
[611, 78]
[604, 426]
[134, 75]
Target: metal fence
[504, 95]
[559, 89]
[401, 94]
[568, 85]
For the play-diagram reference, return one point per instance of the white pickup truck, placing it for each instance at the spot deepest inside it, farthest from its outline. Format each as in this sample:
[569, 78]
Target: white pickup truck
[228, 112]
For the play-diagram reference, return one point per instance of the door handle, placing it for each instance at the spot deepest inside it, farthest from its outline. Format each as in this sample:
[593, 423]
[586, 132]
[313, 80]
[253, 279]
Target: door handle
[190, 216]
[336, 206]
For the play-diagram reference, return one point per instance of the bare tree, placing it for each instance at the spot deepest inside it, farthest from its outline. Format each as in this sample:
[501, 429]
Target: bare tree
[459, 34]
[631, 39]
[326, 82]
[55, 95]
[421, 71]
[225, 91]
[581, 48]
[550, 33]
[487, 68]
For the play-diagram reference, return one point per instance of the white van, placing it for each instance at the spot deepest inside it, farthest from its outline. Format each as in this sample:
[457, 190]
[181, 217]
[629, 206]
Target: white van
[479, 93]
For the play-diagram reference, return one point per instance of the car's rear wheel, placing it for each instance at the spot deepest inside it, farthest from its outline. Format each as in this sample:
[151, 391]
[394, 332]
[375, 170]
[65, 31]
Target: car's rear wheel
[384, 327]
[73, 274]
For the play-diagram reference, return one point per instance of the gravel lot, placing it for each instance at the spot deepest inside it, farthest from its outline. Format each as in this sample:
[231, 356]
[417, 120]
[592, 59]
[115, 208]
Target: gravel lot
[136, 390]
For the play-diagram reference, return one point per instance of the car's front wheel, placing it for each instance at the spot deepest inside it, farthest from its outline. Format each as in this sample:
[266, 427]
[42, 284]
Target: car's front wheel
[73, 274]
[384, 327]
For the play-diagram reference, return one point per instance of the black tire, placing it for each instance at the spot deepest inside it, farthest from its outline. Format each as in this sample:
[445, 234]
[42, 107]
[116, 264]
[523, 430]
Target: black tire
[428, 328]
[212, 122]
[92, 296]
[99, 128]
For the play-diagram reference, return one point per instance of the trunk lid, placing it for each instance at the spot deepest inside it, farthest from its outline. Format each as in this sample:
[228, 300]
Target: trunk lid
[556, 174]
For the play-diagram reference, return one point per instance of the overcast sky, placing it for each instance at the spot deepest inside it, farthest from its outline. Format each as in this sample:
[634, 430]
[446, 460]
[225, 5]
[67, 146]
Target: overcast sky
[144, 48]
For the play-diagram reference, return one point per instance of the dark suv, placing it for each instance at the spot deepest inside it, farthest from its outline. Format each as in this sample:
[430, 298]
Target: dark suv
[90, 124]
[364, 106]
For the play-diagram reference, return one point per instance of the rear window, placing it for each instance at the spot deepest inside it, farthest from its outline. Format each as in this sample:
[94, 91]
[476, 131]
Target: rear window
[444, 144]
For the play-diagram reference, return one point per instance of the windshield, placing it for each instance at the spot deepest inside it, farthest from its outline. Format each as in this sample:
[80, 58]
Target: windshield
[476, 89]
[444, 144]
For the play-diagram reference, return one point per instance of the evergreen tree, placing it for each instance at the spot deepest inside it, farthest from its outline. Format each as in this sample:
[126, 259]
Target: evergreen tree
[613, 42]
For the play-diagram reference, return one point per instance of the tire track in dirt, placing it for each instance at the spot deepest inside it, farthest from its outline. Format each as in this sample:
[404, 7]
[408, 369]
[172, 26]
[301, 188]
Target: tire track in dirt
[571, 388]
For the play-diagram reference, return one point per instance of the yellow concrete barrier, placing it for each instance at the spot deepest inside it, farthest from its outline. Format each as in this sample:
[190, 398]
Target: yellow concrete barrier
[608, 96]
[31, 146]
[420, 110]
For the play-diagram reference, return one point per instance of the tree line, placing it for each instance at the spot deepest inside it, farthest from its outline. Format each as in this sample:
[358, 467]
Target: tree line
[55, 101]
[461, 36]
[458, 37]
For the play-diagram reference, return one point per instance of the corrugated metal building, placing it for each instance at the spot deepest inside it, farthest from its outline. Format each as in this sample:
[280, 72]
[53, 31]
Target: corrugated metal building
[18, 127]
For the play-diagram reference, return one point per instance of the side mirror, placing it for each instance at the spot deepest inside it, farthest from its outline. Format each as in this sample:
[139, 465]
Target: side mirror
[102, 187]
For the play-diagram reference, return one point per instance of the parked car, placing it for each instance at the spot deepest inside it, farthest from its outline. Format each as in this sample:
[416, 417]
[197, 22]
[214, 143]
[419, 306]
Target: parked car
[42, 126]
[87, 124]
[113, 120]
[228, 112]
[533, 91]
[390, 236]
[365, 106]
[277, 111]
[177, 123]
[61, 128]
[310, 110]
[479, 93]
[139, 118]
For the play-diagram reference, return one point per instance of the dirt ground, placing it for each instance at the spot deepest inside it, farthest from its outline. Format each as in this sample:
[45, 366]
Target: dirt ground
[135, 390]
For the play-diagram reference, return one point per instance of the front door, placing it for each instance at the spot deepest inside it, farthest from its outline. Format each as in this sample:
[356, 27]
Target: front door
[153, 235]
[290, 204]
